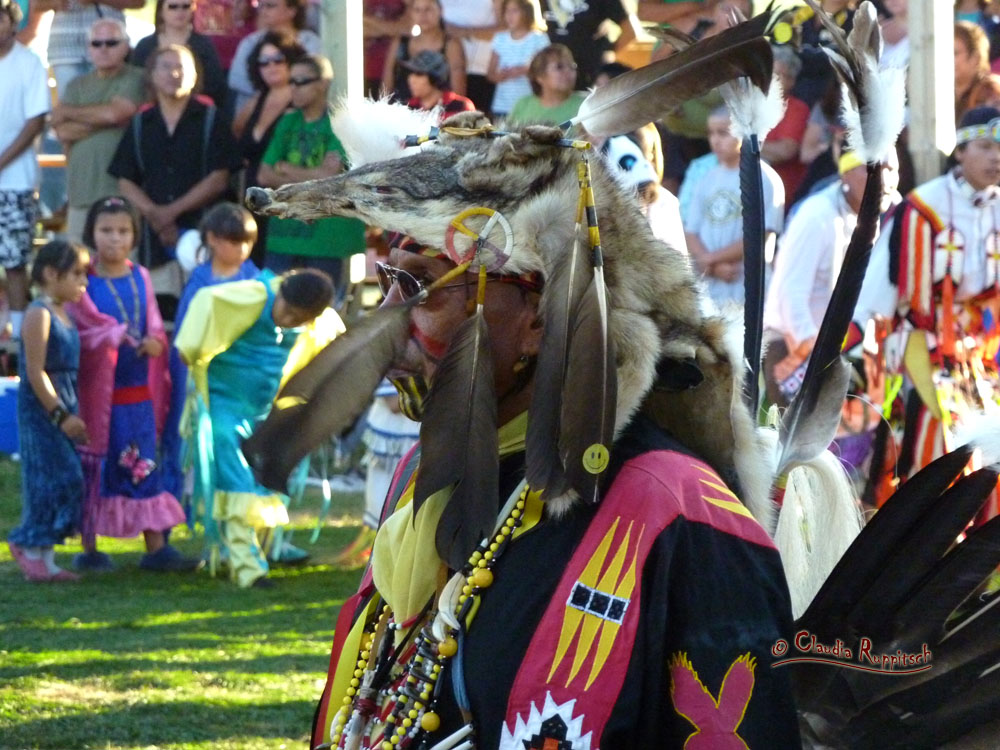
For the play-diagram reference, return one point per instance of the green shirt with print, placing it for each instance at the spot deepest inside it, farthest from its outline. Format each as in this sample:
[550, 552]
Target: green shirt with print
[306, 144]
[528, 110]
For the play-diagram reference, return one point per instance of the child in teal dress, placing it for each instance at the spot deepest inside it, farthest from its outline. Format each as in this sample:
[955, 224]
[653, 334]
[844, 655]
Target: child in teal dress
[48, 424]
[228, 233]
[241, 340]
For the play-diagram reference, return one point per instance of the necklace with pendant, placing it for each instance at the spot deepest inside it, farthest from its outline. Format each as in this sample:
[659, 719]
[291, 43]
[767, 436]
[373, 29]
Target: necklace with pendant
[131, 323]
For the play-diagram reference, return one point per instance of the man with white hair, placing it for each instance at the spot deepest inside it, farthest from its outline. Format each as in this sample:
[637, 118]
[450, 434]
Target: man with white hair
[67, 48]
[91, 116]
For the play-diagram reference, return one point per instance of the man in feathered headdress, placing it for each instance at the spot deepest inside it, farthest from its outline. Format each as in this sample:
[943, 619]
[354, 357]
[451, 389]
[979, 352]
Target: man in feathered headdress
[934, 278]
[620, 594]
[564, 625]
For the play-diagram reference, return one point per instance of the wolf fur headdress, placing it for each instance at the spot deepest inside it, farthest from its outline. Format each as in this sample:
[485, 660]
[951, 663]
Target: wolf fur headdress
[672, 361]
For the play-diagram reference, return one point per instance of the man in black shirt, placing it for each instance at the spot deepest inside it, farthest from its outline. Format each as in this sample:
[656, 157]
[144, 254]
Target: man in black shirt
[172, 162]
[580, 25]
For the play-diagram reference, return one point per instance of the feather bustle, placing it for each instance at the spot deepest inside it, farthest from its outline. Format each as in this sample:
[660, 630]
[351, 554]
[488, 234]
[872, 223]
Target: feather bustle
[327, 395]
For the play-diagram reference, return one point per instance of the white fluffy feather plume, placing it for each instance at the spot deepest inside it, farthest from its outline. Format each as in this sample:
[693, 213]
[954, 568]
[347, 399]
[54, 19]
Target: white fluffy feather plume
[752, 110]
[818, 521]
[373, 129]
[872, 132]
[982, 431]
[873, 97]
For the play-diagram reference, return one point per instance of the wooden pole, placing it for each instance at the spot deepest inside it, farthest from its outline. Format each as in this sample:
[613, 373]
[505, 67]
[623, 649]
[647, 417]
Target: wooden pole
[931, 86]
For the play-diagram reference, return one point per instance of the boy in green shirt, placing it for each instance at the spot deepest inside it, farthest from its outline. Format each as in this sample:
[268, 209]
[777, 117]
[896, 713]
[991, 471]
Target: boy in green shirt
[304, 147]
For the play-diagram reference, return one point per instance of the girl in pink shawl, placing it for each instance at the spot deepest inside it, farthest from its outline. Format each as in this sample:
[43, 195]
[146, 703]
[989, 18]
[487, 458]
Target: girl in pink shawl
[123, 387]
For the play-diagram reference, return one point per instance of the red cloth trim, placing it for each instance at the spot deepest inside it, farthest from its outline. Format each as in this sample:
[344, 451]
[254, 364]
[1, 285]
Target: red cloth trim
[132, 394]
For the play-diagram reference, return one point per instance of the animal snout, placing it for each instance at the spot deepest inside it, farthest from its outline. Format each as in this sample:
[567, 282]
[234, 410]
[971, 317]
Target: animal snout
[257, 198]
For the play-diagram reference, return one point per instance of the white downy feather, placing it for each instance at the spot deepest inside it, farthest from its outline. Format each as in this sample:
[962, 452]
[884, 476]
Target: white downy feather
[873, 132]
[818, 521]
[753, 111]
[981, 430]
[373, 129]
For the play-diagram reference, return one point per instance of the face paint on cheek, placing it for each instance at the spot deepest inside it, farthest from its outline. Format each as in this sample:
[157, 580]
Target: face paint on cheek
[430, 347]
[412, 391]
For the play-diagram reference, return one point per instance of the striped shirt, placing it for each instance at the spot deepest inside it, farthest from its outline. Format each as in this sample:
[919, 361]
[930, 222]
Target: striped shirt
[510, 54]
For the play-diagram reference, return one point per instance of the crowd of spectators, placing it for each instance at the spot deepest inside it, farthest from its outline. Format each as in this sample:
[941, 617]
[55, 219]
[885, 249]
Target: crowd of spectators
[208, 104]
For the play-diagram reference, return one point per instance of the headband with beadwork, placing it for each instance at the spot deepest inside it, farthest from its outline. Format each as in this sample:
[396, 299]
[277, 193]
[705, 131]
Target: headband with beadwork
[989, 130]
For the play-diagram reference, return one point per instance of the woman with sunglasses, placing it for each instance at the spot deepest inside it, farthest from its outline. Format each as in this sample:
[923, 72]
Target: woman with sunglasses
[552, 74]
[175, 25]
[269, 67]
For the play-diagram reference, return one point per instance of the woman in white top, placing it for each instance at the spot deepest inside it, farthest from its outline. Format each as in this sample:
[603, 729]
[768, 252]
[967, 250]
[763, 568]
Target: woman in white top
[512, 52]
[473, 23]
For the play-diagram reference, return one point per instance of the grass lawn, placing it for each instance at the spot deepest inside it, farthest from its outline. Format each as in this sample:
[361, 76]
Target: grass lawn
[130, 659]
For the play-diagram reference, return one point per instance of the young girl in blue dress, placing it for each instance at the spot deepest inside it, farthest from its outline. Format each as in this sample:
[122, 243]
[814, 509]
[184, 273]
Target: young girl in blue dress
[228, 233]
[48, 424]
[124, 389]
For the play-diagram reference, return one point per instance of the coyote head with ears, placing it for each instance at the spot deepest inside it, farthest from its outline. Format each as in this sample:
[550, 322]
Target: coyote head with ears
[673, 362]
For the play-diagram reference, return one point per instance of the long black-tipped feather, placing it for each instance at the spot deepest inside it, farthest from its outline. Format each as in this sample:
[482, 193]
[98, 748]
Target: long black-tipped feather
[901, 584]
[590, 394]
[752, 198]
[326, 396]
[644, 95]
[967, 647]
[804, 416]
[922, 549]
[564, 287]
[866, 558]
[950, 582]
[459, 444]
[932, 714]
[849, 50]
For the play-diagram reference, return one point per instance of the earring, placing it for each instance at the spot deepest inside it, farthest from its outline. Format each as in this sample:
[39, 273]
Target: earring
[521, 364]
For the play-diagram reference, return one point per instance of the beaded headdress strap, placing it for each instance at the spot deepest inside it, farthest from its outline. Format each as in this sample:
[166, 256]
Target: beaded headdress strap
[989, 130]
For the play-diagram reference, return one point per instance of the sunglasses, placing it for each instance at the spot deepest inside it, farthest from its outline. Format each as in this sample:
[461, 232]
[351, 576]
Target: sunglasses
[409, 285]
[302, 81]
[263, 62]
[98, 43]
[178, 6]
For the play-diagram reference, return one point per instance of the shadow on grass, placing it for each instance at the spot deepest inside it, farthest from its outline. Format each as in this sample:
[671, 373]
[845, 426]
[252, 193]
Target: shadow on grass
[161, 724]
[118, 667]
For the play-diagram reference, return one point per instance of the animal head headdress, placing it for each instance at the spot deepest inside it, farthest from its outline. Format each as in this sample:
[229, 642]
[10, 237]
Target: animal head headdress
[623, 324]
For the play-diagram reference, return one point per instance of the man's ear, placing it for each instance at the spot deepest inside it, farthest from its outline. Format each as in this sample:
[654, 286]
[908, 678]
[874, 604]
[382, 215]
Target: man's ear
[531, 340]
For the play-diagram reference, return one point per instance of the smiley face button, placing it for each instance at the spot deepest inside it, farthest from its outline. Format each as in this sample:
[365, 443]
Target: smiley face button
[595, 458]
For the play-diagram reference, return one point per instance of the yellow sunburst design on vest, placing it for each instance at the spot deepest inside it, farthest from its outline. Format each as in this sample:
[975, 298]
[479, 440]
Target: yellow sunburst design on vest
[614, 589]
[732, 504]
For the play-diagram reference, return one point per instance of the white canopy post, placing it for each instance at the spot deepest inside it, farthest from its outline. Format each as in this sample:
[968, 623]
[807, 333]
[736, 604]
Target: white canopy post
[342, 32]
[931, 87]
